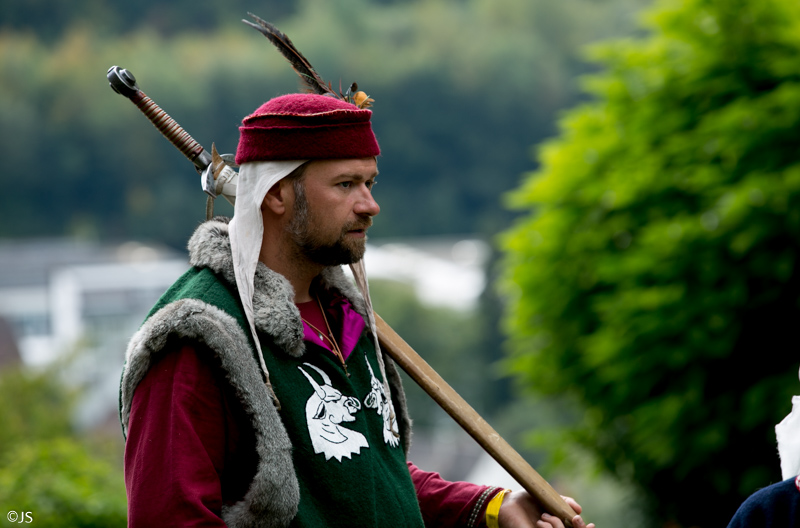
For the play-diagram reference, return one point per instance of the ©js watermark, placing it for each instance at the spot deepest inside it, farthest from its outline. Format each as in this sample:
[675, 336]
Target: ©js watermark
[20, 517]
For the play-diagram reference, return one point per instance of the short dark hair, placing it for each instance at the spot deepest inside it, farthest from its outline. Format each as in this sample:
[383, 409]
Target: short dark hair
[296, 176]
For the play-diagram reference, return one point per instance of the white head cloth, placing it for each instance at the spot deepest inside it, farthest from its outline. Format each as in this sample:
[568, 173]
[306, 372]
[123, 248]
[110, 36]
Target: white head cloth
[788, 435]
[246, 229]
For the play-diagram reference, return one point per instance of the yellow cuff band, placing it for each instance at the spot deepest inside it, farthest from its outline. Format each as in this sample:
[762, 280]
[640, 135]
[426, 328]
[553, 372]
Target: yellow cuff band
[493, 509]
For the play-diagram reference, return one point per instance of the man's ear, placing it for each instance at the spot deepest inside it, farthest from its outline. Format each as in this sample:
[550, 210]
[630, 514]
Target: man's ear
[277, 198]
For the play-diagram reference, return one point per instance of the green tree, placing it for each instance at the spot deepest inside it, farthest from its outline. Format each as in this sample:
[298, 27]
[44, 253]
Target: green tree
[462, 89]
[62, 484]
[654, 280]
[34, 407]
[46, 468]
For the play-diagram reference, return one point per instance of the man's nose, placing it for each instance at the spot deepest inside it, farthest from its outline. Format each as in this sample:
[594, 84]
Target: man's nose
[366, 204]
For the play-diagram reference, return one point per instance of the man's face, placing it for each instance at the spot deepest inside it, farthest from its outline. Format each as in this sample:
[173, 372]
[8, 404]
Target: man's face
[333, 209]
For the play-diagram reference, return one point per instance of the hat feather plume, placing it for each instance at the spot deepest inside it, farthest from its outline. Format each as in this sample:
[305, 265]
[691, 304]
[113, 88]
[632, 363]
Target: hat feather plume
[311, 80]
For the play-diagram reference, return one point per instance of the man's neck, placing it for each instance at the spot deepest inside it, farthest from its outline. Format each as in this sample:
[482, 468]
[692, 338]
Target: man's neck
[296, 268]
[301, 282]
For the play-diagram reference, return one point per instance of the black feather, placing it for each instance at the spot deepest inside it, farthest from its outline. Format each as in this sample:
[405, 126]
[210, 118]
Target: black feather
[312, 81]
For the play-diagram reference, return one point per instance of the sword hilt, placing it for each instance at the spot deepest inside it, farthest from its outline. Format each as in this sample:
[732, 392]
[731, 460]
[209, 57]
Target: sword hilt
[123, 82]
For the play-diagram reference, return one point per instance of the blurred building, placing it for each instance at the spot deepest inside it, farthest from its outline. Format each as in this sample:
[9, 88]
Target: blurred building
[53, 292]
[449, 272]
[9, 352]
[79, 302]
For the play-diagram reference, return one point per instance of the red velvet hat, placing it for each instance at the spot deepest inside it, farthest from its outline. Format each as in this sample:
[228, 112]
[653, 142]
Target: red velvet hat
[306, 126]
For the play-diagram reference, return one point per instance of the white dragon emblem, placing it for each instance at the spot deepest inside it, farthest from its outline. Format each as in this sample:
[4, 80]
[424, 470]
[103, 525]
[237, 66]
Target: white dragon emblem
[326, 409]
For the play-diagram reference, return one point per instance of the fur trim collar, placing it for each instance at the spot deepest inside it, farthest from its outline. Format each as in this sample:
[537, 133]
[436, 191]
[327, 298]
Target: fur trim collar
[275, 313]
[273, 497]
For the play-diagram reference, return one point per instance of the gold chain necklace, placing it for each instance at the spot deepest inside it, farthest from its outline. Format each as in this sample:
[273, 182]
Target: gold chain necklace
[329, 336]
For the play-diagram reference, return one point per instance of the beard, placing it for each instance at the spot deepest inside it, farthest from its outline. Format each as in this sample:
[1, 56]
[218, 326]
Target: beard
[313, 245]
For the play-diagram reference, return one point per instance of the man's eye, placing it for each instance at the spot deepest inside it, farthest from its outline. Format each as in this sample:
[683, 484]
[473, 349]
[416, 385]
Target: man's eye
[371, 184]
[345, 184]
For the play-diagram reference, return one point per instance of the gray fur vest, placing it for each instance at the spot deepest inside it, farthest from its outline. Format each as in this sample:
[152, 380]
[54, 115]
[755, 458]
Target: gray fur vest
[273, 495]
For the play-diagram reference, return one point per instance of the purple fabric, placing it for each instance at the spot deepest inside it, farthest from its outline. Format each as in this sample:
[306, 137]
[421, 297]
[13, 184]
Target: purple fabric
[340, 309]
[352, 327]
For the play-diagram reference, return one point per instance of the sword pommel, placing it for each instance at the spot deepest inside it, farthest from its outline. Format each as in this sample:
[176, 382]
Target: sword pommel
[122, 81]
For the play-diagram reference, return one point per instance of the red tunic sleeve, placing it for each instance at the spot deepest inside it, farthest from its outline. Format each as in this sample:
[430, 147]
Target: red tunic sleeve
[450, 504]
[176, 447]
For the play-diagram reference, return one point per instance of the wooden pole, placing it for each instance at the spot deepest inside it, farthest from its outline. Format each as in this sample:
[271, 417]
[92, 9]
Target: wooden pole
[472, 422]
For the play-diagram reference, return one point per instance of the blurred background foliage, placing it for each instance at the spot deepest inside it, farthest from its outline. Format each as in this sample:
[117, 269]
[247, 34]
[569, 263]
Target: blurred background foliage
[650, 275]
[462, 89]
[655, 276]
[47, 468]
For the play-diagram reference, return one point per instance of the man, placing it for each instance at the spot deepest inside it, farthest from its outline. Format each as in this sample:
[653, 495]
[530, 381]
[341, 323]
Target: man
[778, 504]
[253, 394]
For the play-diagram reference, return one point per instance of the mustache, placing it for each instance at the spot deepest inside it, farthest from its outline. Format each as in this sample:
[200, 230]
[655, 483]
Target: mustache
[358, 224]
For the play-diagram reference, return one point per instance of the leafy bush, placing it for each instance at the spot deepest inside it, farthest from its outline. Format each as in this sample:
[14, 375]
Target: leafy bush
[34, 406]
[655, 277]
[46, 469]
[61, 484]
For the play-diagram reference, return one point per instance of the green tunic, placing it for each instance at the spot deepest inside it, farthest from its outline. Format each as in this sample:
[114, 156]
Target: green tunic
[351, 470]
[350, 467]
